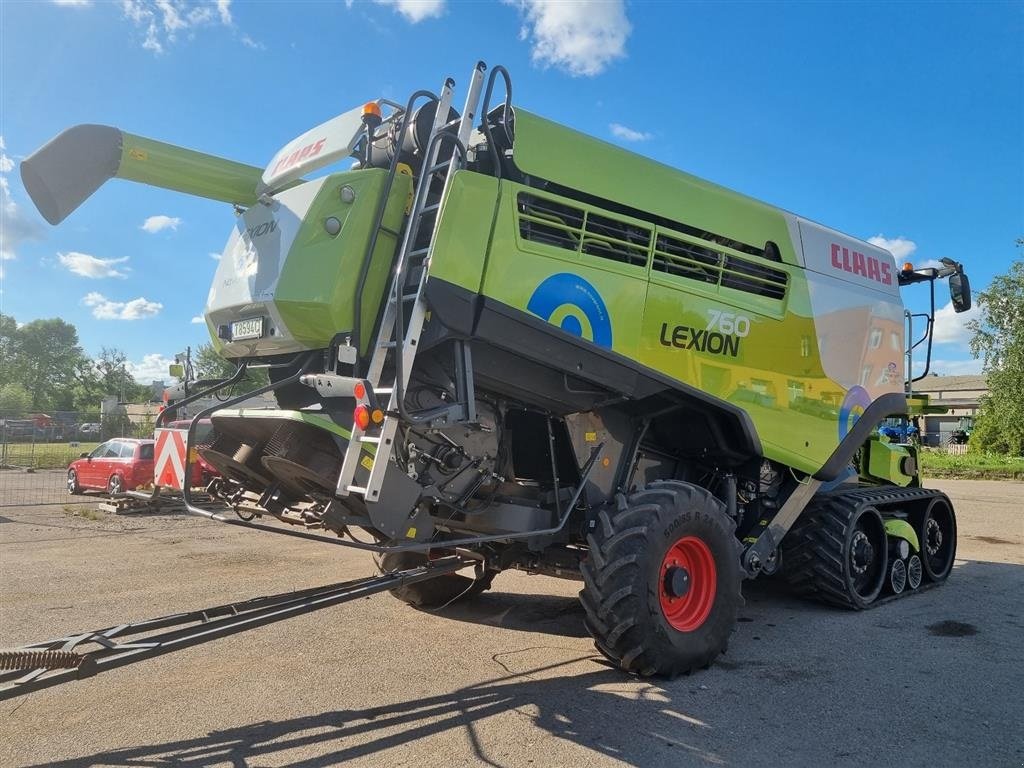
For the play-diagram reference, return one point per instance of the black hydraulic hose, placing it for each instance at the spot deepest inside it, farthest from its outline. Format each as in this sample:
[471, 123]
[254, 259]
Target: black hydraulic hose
[364, 268]
[491, 148]
[165, 414]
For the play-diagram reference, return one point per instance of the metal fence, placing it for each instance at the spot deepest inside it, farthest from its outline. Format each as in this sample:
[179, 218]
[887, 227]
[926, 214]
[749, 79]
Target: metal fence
[36, 449]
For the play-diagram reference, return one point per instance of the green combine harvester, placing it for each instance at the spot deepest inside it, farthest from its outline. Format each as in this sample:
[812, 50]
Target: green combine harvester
[497, 343]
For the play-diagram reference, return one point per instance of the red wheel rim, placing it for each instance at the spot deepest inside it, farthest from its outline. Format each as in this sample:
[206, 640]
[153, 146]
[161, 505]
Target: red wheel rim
[688, 611]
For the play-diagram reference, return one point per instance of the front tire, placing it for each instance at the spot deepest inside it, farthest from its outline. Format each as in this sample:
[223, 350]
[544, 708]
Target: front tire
[662, 580]
[74, 488]
[432, 593]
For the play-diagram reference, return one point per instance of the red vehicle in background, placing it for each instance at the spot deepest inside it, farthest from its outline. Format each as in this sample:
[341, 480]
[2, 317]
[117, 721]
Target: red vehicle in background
[123, 464]
[202, 472]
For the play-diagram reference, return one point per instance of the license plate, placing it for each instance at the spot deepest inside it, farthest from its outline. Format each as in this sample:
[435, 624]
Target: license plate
[247, 329]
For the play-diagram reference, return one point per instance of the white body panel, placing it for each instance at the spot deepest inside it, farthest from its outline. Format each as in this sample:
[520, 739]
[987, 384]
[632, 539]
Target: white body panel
[317, 147]
[857, 310]
[251, 265]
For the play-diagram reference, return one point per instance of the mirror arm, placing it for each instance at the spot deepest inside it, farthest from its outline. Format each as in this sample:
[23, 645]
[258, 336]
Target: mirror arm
[931, 326]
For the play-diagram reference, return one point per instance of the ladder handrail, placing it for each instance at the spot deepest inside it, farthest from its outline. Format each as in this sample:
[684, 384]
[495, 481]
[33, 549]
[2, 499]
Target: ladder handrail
[364, 269]
[400, 377]
[398, 334]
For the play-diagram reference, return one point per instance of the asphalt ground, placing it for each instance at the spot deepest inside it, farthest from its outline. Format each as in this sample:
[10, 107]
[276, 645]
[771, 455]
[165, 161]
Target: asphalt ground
[509, 679]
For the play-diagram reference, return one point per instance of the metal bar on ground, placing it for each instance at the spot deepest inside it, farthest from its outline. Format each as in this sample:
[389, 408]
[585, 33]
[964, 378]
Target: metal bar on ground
[54, 662]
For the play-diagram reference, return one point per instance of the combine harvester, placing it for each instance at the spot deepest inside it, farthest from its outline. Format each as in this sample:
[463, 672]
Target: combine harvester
[498, 343]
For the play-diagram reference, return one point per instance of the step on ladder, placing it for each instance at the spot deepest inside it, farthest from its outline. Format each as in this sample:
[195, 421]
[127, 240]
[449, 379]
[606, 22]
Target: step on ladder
[393, 340]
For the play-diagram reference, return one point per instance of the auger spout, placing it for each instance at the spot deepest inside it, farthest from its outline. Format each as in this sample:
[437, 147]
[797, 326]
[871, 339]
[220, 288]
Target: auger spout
[68, 169]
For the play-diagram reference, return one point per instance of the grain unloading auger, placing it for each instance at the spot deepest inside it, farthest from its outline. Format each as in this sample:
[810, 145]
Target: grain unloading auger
[494, 338]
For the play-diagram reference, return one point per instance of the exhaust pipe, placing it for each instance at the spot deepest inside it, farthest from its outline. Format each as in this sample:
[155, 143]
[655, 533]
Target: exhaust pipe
[65, 172]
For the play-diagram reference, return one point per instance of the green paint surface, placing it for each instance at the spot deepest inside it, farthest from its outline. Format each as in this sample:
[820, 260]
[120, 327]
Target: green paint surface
[316, 292]
[185, 170]
[901, 529]
[776, 375]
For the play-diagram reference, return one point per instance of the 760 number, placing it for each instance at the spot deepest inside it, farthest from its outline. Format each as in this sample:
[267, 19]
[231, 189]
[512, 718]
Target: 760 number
[729, 323]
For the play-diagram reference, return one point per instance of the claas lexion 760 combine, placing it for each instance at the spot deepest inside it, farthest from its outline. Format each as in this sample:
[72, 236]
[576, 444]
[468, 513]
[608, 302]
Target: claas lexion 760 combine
[496, 342]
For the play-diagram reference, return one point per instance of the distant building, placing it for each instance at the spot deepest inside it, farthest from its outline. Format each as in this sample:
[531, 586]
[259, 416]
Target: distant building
[960, 394]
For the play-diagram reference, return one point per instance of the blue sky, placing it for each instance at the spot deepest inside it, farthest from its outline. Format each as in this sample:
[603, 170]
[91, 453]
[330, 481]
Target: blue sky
[903, 121]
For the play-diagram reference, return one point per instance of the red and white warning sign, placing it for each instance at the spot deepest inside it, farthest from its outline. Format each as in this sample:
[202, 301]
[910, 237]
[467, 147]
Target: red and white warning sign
[169, 458]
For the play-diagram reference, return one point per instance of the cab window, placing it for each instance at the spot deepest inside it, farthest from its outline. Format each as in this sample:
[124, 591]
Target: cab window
[99, 451]
[127, 450]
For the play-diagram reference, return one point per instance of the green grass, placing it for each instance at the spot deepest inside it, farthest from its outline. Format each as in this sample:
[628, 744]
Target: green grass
[42, 455]
[972, 466]
[84, 512]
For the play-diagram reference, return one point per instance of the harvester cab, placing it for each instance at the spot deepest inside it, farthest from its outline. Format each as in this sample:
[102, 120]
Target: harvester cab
[497, 337]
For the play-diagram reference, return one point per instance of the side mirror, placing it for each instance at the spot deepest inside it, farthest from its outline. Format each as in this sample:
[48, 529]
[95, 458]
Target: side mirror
[83, 455]
[960, 292]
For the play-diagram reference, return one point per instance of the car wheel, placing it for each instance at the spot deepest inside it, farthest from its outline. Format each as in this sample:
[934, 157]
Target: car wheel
[115, 485]
[73, 487]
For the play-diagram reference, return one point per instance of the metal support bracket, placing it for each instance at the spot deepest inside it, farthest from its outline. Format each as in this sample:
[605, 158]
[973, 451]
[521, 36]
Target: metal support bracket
[765, 548]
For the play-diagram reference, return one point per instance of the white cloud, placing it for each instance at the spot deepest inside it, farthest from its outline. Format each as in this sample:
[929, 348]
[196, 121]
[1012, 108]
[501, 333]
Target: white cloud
[73, 3]
[415, 11]
[900, 247]
[15, 226]
[198, 319]
[156, 224]
[92, 266]
[224, 11]
[248, 42]
[628, 134]
[215, 256]
[152, 367]
[582, 37]
[163, 21]
[951, 328]
[106, 309]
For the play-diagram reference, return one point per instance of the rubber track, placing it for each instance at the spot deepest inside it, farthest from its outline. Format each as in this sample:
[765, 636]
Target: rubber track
[615, 571]
[812, 553]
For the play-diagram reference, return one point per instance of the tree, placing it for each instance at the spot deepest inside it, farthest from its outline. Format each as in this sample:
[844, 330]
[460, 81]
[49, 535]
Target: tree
[15, 400]
[9, 344]
[114, 379]
[49, 362]
[999, 341]
[209, 364]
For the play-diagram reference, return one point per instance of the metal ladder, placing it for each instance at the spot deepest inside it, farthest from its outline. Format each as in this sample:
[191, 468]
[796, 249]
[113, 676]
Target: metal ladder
[393, 340]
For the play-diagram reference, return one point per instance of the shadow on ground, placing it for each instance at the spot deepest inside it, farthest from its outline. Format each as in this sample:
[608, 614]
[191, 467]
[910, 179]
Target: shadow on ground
[579, 699]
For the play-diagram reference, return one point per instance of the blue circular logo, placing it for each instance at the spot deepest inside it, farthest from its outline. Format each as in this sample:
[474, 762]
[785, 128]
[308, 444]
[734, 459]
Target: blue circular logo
[857, 399]
[575, 306]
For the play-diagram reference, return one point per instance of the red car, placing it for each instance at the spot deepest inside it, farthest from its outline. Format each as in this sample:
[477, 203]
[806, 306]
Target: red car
[115, 466]
[202, 471]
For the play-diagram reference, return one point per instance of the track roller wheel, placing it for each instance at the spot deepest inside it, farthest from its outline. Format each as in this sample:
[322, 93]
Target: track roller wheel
[838, 553]
[661, 585]
[898, 576]
[937, 534]
[432, 593]
[915, 570]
